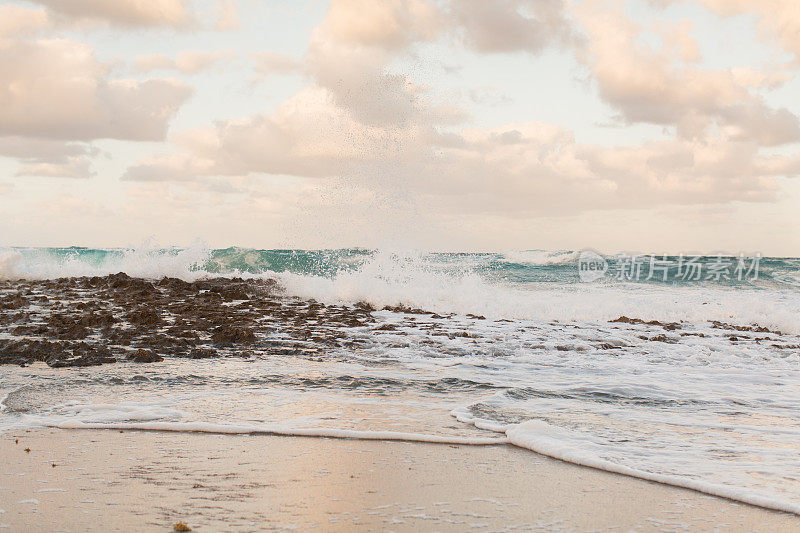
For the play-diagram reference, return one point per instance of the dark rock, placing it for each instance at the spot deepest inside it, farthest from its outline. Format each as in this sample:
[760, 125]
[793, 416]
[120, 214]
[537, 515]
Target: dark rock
[407, 310]
[175, 284]
[145, 356]
[202, 353]
[669, 326]
[754, 328]
[95, 320]
[63, 326]
[226, 334]
[13, 301]
[663, 338]
[118, 280]
[145, 317]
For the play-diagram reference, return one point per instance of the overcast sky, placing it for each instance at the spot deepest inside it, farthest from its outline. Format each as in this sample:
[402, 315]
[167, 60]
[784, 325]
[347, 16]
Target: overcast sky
[639, 125]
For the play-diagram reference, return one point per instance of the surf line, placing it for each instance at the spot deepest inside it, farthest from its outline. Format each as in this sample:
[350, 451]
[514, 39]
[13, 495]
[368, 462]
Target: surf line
[543, 438]
[520, 439]
[225, 429]
[4, 394]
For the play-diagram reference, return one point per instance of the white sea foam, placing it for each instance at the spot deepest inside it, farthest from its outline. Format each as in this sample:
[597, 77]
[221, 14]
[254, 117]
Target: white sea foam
[565, 445]
[3, 397]
[145, 262]
[541, 257]
[557, 443]
[94, 412]
[251, 429]
[392, 279]
[445, 286]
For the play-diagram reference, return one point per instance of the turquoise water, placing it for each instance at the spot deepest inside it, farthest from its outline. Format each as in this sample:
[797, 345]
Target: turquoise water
[517, 267]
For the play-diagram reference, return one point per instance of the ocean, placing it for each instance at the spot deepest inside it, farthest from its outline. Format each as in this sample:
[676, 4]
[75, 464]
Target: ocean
[678, 369]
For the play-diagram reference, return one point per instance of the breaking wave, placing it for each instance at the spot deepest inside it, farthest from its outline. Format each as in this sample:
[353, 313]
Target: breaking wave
[536, 285]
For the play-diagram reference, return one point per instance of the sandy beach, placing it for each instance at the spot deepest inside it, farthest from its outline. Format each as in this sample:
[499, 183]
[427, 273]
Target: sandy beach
[93, 480]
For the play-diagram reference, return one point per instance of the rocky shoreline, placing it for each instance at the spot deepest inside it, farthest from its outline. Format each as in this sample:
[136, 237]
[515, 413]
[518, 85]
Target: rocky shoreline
[87, 321]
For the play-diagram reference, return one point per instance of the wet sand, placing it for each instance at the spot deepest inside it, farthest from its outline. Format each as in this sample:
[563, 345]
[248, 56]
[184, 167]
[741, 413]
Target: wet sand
[91, 480]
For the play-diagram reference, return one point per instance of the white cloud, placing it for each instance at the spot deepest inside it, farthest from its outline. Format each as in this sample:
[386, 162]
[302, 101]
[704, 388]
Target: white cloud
[187, 62]
[172, 167]
[307, 136]
[41, 149]
[539, 168]
[268, 62]
[518, 168]
[73, 167]
[778, 19]
[88, 104]
[349, 54]
[390, 24]
[18, 20]
[653, 86]
[488, 27]
[227, 15]
[44, 157]
[512, 25]
[360, 119]
[170, 13]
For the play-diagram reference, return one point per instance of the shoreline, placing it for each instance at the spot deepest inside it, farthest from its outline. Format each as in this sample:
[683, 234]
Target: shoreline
[517, 437]
[105, 479]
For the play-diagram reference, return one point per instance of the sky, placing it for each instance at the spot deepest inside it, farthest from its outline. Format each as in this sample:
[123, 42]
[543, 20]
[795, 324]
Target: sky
[646, 126]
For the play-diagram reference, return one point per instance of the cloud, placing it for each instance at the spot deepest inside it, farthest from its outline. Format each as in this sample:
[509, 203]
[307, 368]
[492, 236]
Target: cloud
[778, 19]
[539, 168]
[74, 167]
[172, 167]
[88, 105]
[362, 120]
[307, 136]
[487, 27]
[487, 95]
[41, 149]
[518, 168]
[678, 40]
[169, 13]
[350, 50]
[649, 85]
[188, 62]
[44, 157]
[760, 80]
[268, 62]
[18, 20]
[349, 56]
[227, 15]
[512, 25]
[390, 24]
